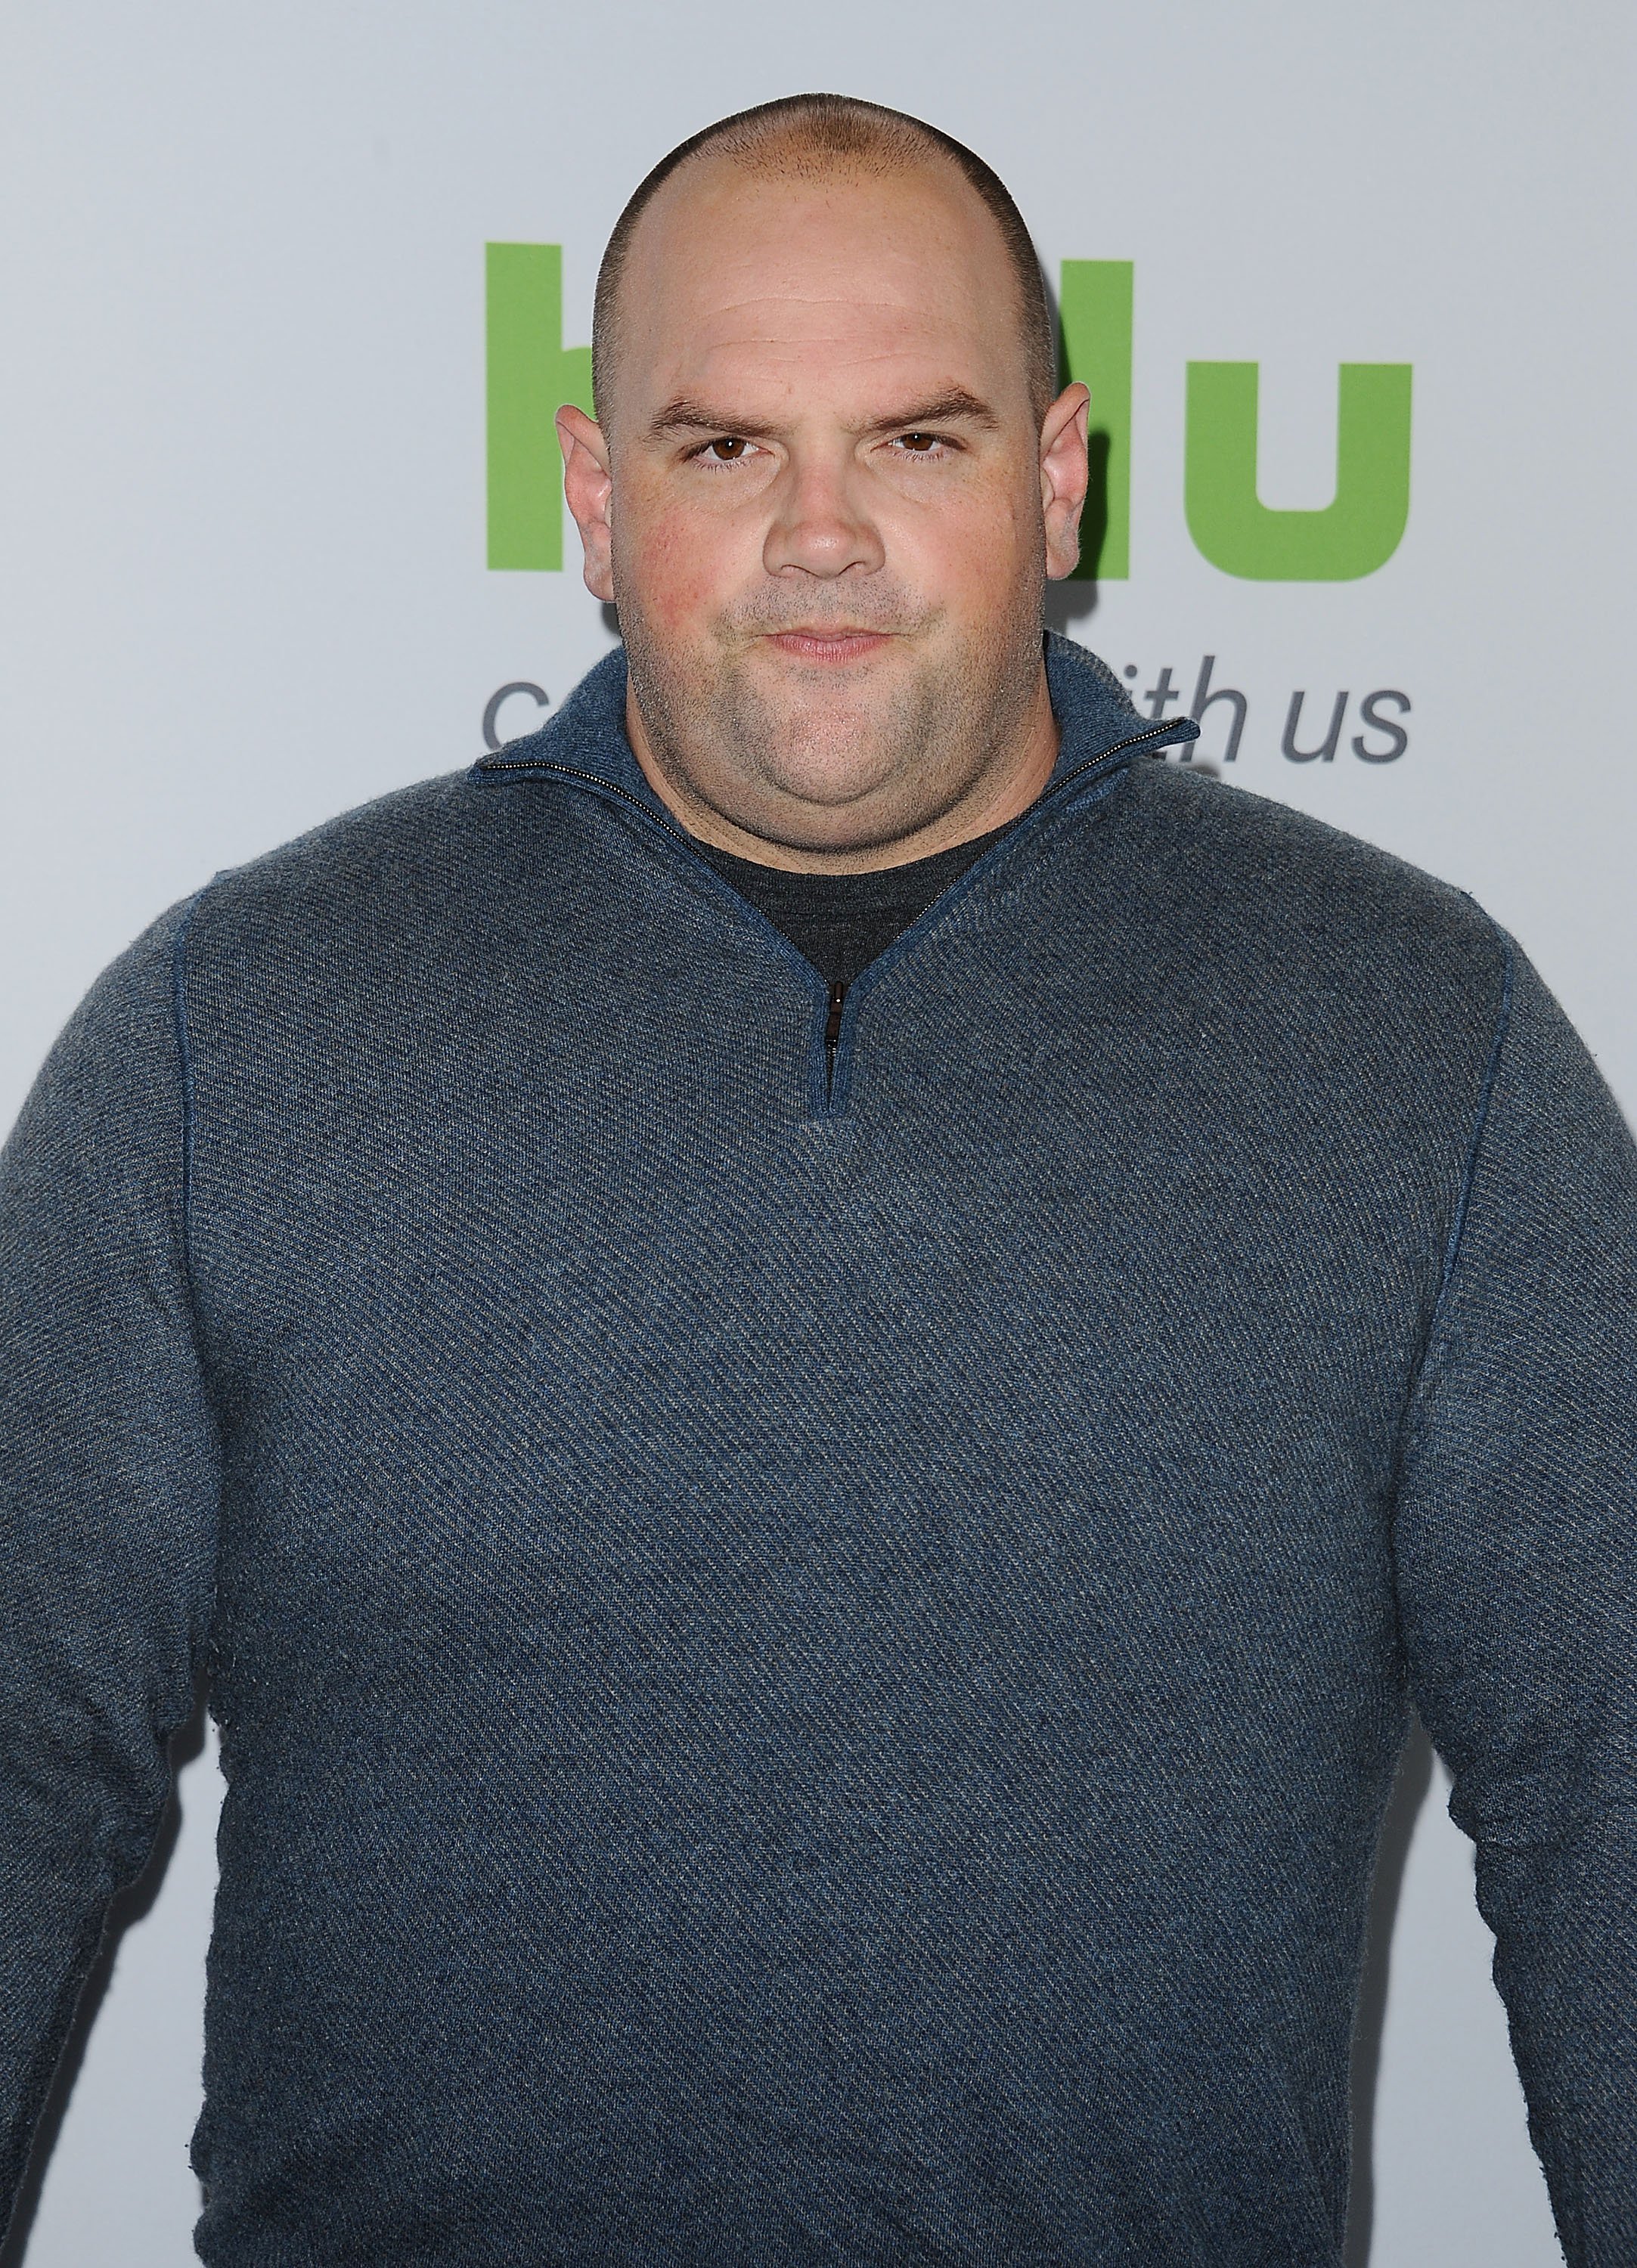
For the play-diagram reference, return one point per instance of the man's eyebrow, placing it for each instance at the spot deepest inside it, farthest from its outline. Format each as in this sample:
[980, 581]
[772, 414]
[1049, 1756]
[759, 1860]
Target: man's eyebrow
[942, 409]
[685, 414]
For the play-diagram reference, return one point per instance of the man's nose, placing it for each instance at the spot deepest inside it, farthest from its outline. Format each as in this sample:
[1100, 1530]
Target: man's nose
[821, 524]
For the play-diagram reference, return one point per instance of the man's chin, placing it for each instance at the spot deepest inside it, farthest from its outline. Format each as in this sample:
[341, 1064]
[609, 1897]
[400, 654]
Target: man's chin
[870, 680]
[827, 749]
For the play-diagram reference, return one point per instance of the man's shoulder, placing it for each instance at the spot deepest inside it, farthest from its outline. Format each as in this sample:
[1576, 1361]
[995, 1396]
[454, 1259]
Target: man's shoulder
[377, 905]
[1245, 858]
[419, 858]
[440, 846]
[1304, 928]
[397, 839]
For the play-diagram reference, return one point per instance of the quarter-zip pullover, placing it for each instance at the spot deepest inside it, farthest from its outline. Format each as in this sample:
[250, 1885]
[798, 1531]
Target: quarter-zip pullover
[811, 1612]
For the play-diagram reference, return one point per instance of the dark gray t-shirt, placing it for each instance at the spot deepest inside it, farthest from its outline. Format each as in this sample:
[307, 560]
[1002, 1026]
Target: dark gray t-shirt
[843, 922]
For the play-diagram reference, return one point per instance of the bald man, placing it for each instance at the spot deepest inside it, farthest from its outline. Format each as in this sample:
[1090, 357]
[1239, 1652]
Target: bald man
[816, 1362]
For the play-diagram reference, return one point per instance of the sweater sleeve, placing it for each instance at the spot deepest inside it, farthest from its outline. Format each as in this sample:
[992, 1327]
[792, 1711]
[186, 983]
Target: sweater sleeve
[108, 1486]
[1516, 1556]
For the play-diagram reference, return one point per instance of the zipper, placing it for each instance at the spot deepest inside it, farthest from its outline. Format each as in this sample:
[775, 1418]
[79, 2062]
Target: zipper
[832, 1036]
[1164, 729]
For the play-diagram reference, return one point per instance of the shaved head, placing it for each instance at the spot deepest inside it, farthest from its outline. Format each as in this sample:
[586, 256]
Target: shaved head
[811, 138]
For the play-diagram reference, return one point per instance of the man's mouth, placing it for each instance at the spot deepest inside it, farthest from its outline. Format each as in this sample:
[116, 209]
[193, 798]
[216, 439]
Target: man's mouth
[827, 645]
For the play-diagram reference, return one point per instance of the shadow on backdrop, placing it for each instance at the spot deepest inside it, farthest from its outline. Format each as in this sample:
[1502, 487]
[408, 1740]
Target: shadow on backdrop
[131, 1905]
[1404, 1808]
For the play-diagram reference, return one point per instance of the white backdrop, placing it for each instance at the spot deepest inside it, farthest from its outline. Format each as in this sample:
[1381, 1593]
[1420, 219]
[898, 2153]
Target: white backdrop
[243, 580]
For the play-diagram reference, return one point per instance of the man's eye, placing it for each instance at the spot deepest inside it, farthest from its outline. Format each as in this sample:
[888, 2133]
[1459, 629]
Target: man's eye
[919, 445]
[730, 450]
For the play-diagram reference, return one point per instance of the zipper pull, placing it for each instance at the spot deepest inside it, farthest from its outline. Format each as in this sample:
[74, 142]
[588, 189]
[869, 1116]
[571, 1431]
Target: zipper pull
[832, 1036]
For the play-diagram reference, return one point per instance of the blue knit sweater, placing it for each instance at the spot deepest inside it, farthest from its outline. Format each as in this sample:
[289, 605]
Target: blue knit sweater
[810, 1643]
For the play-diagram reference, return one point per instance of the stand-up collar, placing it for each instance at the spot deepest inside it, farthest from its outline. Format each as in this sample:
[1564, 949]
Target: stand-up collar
[588, 737]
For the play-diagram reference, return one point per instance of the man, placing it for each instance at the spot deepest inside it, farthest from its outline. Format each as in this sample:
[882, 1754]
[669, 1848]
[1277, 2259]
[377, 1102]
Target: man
[816, 1361]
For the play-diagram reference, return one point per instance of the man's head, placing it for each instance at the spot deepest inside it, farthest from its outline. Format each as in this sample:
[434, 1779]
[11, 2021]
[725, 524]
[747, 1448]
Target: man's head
[828, 483]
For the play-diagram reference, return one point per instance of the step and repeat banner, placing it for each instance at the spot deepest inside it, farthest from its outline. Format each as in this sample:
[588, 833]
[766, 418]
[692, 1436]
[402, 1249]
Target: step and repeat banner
[290, 297]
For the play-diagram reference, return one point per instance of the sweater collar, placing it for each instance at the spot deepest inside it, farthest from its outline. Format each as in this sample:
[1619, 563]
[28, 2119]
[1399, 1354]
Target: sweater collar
[587, 736]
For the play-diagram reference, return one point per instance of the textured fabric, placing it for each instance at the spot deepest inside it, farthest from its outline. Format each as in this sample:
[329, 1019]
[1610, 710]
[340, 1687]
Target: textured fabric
[808, 1668]
[843, 922]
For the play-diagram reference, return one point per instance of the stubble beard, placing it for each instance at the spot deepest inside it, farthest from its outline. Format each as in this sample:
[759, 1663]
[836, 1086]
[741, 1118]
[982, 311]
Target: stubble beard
[819, 759]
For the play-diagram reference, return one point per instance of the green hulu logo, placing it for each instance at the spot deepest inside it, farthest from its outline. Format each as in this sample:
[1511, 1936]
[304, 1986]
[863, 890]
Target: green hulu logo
[530, 371]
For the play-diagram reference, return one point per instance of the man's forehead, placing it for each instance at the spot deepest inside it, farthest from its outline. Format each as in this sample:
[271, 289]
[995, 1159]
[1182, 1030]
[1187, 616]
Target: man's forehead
[719, 235]
[781, 336]
[742, 276]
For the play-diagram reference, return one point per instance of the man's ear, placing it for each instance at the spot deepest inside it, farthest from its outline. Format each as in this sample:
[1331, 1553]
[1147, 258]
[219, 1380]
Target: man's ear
[1064, 474]
[589, 487]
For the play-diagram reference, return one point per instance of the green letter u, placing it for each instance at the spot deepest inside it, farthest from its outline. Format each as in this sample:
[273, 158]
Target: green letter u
[1355, 534]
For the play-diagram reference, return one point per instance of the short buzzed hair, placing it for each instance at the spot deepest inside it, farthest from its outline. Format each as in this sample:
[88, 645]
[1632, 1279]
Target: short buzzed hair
[821, 134]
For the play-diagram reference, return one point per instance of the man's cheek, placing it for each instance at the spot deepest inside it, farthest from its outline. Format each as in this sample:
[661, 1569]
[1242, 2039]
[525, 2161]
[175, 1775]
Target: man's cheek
[948, 553]
[688, 568]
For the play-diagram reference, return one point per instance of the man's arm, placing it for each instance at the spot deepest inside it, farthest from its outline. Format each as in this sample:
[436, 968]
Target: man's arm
[1516, 1548]
[108, 1486]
